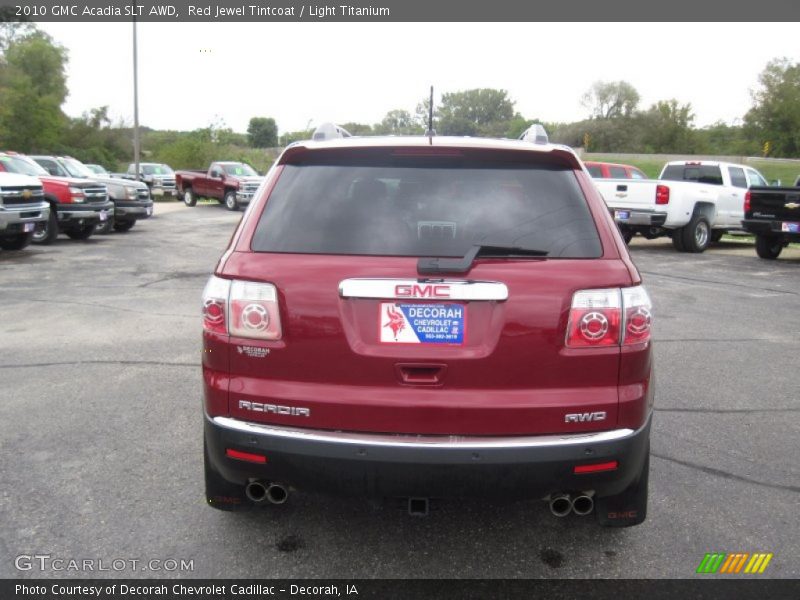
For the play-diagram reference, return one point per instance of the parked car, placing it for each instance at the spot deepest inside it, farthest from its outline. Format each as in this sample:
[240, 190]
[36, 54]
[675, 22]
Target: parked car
[693, 202]
[232, 183]
[22, 207]
[604, 170]
[420, 318]
[772, 214]
[76, 205]
[160, 178]
[131, 198]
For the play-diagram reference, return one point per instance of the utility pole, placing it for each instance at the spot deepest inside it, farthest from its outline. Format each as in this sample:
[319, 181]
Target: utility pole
[136, 147]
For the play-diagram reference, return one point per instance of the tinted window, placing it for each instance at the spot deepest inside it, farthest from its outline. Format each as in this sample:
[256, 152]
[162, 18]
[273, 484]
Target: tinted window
[410, 207]
[737, 177]
[617, 172]
[594, 170]
[701, 173]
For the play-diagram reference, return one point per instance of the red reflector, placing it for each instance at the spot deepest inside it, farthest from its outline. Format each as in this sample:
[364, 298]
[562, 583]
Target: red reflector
[249, 457]
[606, 466]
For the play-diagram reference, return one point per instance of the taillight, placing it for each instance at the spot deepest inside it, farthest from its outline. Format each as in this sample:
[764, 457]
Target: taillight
[215, 305]
[611, 317]
[254, 311]
[747, 206]
[662, 194]
[241, 308]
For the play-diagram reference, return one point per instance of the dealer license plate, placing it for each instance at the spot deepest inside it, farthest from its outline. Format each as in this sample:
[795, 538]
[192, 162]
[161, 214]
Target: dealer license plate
[28, 227]
[622, 215]
[790, 227]
[149, 211]
[103, 215]
[402, 323]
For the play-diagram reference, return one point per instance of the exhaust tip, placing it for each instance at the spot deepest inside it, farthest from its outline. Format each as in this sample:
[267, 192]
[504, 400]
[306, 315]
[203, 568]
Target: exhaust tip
[276, 493]
[583, 505]
[256, 492]
[560, 505]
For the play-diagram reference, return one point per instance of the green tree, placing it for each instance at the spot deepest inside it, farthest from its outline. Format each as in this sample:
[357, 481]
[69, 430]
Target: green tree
[611, 99]
[398, 122]
[667, 128]
[775, 115]
[484, 112]
[262, 132]
[358, 128]
[33, 87]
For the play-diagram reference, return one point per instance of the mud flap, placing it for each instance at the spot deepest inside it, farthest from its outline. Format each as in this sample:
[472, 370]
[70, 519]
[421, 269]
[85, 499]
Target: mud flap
[628, 508]
[222, 494]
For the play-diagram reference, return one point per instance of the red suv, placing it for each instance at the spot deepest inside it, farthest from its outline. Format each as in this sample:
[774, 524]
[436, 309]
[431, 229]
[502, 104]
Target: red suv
[427, 318]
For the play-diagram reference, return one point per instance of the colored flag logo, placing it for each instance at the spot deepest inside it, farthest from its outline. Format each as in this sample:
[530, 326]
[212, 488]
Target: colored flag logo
[738, 562]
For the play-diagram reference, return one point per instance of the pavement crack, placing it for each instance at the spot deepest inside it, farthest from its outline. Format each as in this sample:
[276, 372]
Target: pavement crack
[727, 474]
[154, 363]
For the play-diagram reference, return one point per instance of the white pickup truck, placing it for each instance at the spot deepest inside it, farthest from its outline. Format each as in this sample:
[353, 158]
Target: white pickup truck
[693, 202]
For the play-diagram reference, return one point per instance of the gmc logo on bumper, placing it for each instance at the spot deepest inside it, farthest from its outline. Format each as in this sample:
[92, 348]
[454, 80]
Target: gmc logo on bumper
[582, 417]
[422, 291]
[276, 409]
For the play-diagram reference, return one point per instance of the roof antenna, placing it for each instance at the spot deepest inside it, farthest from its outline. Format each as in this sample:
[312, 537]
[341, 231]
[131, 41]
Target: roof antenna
[431, 131]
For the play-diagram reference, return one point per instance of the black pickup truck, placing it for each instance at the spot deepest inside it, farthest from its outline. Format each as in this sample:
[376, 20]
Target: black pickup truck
[772, 214]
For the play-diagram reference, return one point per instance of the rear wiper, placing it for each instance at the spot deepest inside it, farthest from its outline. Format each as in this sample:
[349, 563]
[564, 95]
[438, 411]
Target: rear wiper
[428, 265]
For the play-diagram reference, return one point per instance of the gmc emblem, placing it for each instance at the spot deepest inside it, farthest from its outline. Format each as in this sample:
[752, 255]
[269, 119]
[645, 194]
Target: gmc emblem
[422, 291]
[581, 417]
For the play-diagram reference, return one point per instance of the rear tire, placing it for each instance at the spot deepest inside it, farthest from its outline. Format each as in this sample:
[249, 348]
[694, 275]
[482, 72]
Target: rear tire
[16, 242]
[124, 226]
[83, 232]
[696, 235]
[189, 199]
[47, 231]
[677, 240]
[220, 493]
[630, 507]
[768, 246]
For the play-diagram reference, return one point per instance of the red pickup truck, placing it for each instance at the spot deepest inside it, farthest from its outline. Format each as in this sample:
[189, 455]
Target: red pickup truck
[232, 183]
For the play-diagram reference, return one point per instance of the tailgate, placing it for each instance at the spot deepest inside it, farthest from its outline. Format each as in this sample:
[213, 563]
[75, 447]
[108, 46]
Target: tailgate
[366, 346]
[776, 204]
[625, 193]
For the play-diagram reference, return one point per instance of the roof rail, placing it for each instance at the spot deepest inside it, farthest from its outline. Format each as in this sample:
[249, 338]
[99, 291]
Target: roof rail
[329, 131]
[536, 134]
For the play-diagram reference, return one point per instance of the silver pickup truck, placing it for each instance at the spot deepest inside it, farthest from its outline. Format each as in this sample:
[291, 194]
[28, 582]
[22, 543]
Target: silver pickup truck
[22, 206]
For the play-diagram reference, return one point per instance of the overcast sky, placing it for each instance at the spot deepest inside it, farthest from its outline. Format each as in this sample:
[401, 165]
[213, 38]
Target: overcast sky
[192, 75]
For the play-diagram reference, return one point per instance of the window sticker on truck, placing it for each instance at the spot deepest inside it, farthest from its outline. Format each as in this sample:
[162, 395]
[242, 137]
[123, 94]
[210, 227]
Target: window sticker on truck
[422, 323]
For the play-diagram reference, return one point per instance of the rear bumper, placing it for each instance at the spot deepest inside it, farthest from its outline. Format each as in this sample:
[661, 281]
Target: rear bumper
[429, 466]
[626, 216]
[770, 228]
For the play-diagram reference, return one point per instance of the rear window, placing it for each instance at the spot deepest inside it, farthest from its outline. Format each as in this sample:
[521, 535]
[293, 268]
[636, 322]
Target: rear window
[595, 170]
[617, 172]
[700, 173]
[432, 206]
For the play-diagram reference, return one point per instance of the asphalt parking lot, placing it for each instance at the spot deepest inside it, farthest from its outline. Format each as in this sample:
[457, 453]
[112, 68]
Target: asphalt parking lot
[100, 429]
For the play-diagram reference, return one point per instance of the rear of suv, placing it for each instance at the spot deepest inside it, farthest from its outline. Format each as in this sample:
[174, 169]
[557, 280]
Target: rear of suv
[428, 318]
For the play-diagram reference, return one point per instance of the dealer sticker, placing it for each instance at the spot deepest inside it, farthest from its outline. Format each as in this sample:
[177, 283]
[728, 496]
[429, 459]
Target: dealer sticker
[422, 323]
[790, 227]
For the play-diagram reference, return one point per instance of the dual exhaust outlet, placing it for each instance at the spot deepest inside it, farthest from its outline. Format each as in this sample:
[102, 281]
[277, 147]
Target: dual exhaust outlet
[259, 492]
[563, 504]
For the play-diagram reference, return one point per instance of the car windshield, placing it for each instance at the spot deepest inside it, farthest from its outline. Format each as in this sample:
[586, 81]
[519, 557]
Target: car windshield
[97, 169]
[23, 166]
[157, 170]
[408, 206]
[76, 168]
[241, 169]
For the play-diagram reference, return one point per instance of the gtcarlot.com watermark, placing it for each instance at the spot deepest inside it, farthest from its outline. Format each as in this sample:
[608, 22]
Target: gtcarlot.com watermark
[50, 563]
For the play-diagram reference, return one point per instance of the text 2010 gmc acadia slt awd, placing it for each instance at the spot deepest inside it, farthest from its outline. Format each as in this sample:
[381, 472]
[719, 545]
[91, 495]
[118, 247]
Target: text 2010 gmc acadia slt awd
[429, 317]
